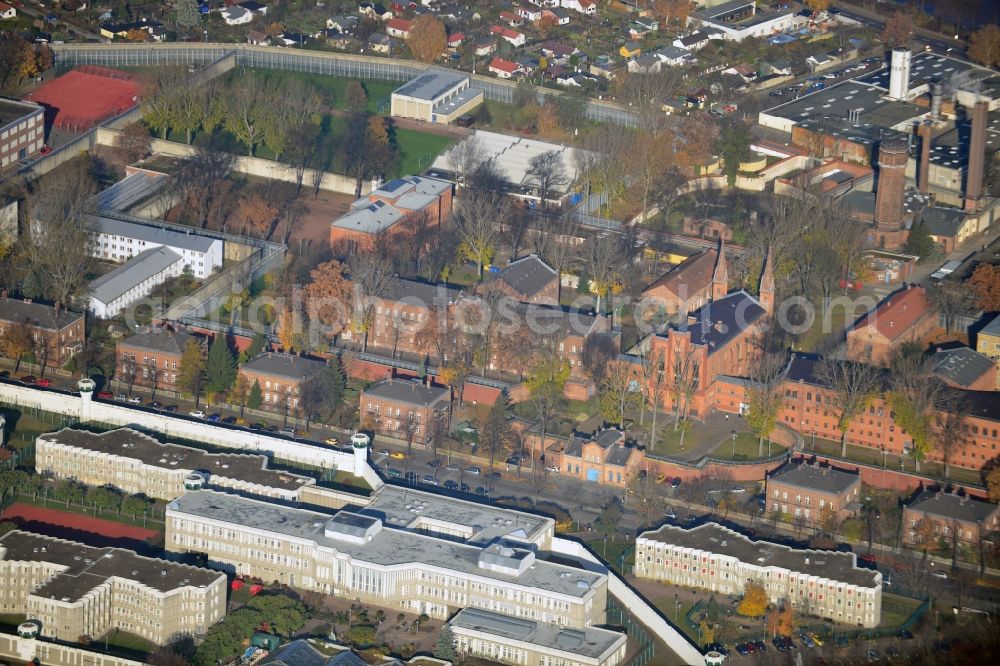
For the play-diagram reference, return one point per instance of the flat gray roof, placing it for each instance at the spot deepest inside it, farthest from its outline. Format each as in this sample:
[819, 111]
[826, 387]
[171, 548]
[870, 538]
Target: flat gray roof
[815, 477]
[86, 567]
[421, 293]
[586, 642]
[128, 443]
[952, 507]
[714, 538]
[371, 218]
[389, 547]
[156, 235]
[134, 272]
[14, 110]
[925, 67]
[462, 97]
[431, 85]
[130, 190]
[396, 506]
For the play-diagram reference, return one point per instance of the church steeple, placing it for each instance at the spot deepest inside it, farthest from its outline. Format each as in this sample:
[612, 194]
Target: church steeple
[720, 278]
[767, 284]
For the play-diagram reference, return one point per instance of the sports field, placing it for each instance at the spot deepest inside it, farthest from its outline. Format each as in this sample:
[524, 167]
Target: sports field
[76, 527]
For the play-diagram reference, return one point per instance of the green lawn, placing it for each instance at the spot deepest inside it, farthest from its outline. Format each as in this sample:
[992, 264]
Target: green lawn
[334, 88]
[896, 609]
[417, 150]
[668, 441]
[127, 641]
[612, 550]
[869, 456]
[747, 448]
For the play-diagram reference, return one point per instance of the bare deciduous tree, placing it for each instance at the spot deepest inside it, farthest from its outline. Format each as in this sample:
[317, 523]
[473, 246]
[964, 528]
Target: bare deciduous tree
[853, 385]
[547, 173]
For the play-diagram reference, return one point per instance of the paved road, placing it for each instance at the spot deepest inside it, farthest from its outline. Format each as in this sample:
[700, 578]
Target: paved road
[938, 42]
[72, 29]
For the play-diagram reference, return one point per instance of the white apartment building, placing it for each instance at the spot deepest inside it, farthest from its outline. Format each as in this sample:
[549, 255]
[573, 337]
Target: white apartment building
[356, 554]
[75, 590]
[132, 281]
[827, 584]
[136, 463]
[510, 640]
[119, 241]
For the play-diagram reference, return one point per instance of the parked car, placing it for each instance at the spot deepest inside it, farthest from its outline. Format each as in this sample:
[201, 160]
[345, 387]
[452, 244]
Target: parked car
[451, 485]
[742, 649]
[155, 404]
[739, 490]
[474, 471]
[333, 441]
[393, 472]
[135, 400]
[465, 488]
[873, 655]
[398, 455]
[761, 646]
[28, 379]
[288, 432]
[230, 420]
[4, 374]
[807, 640]
[171, 408]
[452, 467]
[429, 480]
[482, 492]
[44, 382]
[676, 482]
[215, 418]
[197, 413]
[105, 395]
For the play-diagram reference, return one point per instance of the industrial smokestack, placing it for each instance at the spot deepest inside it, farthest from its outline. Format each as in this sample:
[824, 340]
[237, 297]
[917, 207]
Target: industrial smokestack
[923, 175]
[937, 92]
[893, 155]
[899, 73]
[977, 154]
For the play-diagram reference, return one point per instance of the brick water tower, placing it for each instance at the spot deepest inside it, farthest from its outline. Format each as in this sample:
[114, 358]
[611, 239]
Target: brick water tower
[890, 223]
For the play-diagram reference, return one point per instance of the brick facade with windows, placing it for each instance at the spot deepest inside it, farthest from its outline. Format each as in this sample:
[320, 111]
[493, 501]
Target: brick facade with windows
[901, 318]
[948, 514]
[812, 492]
[151, 359]
[57, 334]
[280, 377]
[401, 408]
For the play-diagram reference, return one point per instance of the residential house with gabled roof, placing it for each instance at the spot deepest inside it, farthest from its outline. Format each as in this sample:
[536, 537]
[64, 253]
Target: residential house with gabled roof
[257, 38]
[236, 15]
[281, 377]
[587, 7]
[690, 284]
[455, 40]
[376, 11]
[903, 317]
[379, 42]
[405, 408]
[557, 14]
[557, 51]
[487, 47]
[398, 27]
[630, 49]
[511, 19]
[812, 493]
[57, 333]
[504, 69]
[604, 457]
[531, 14]
[694, 41]
[513, 37]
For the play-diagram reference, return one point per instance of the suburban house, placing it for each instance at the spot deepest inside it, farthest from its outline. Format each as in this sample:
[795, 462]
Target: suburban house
[485, 47]
[254, 7]
[988, 343]
[704, 227]
[504, 69]
[813, 493]
[280, 377]
[935, 514]
[512, 19]
[700, 278]
[630, 49]
[395, 207]
[583, 6]
[380, 43]
[602, 458]
[374, 11]
[398, 27]
[56, 334]
[405, 408]
[151, 359]
[965, 369]
[557, 15]
[515, 38]
[455, 40]
[696, 40]
[903, 317]
[531, 14]
[7, 11]
[528, 280]
[343, 24]
[236, 15]
[257, 38]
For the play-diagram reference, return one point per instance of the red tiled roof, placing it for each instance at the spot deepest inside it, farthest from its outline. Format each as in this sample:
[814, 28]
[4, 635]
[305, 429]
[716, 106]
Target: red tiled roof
[456, 37]
[503, 65]
[504, 32]
[895, 315]
[694, 273]
[399, 24]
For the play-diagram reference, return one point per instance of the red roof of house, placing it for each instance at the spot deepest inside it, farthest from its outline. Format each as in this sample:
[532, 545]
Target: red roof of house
[510, 16]
[455, 37]
[503, 65]
[898, 313]
[504, 32]
[688, 277]
[399, 24]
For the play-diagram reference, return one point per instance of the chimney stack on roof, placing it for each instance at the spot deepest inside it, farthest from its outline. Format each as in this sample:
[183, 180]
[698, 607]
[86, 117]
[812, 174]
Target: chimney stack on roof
[899, 73]
[923, 175]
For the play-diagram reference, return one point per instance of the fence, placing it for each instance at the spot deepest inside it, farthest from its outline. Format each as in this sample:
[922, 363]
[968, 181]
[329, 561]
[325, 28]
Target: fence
[647, 646]
[299, 60]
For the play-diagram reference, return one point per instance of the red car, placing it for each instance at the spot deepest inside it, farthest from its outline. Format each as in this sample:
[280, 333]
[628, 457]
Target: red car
[44, 382]
[105, 395]
[28, 379]
[45, 150]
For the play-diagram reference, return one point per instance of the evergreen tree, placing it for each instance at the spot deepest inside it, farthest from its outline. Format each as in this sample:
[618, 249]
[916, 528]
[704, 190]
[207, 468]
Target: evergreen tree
[257, 345]
[919, 242]
[256, 398]
[323, 392]
[444, 646]
[191, 375]
[220, 370]
[186, 13]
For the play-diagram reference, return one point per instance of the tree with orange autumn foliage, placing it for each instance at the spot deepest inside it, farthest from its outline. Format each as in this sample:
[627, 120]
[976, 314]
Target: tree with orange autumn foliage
[256, 215]
[673, 11]
[428, 38]
[137, 35]
[754, 602]
[328, 296]
[898, 30]
[545, 24]
[985, 282]
[288, 330]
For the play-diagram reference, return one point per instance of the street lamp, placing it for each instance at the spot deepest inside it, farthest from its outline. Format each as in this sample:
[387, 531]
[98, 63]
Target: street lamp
[677, 605]
[734, 445]
[769, 447]
[883, 456]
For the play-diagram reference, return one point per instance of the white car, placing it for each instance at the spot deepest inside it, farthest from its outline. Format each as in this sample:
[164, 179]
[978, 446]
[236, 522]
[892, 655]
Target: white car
[552, 468]
[474, 471]
[940, 574]
[738, 490]
[135, 400]
[197, 413]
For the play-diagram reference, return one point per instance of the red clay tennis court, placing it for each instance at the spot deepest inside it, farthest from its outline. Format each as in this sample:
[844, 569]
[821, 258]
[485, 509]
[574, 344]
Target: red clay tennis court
[80, 99]
[73, 526]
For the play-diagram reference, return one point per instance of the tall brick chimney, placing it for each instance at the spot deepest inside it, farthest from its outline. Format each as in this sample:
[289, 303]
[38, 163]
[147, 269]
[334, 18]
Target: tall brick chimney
[893, 154]
[977, 155]
[923, 170]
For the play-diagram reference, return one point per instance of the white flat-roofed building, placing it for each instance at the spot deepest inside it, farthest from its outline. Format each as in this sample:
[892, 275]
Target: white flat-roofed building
[824, 583]
[356, 554]
[435, 96]
[118, 240]
[113, 292]
[75, 590]
[512, 640]
[136, 463]
[738, 19]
